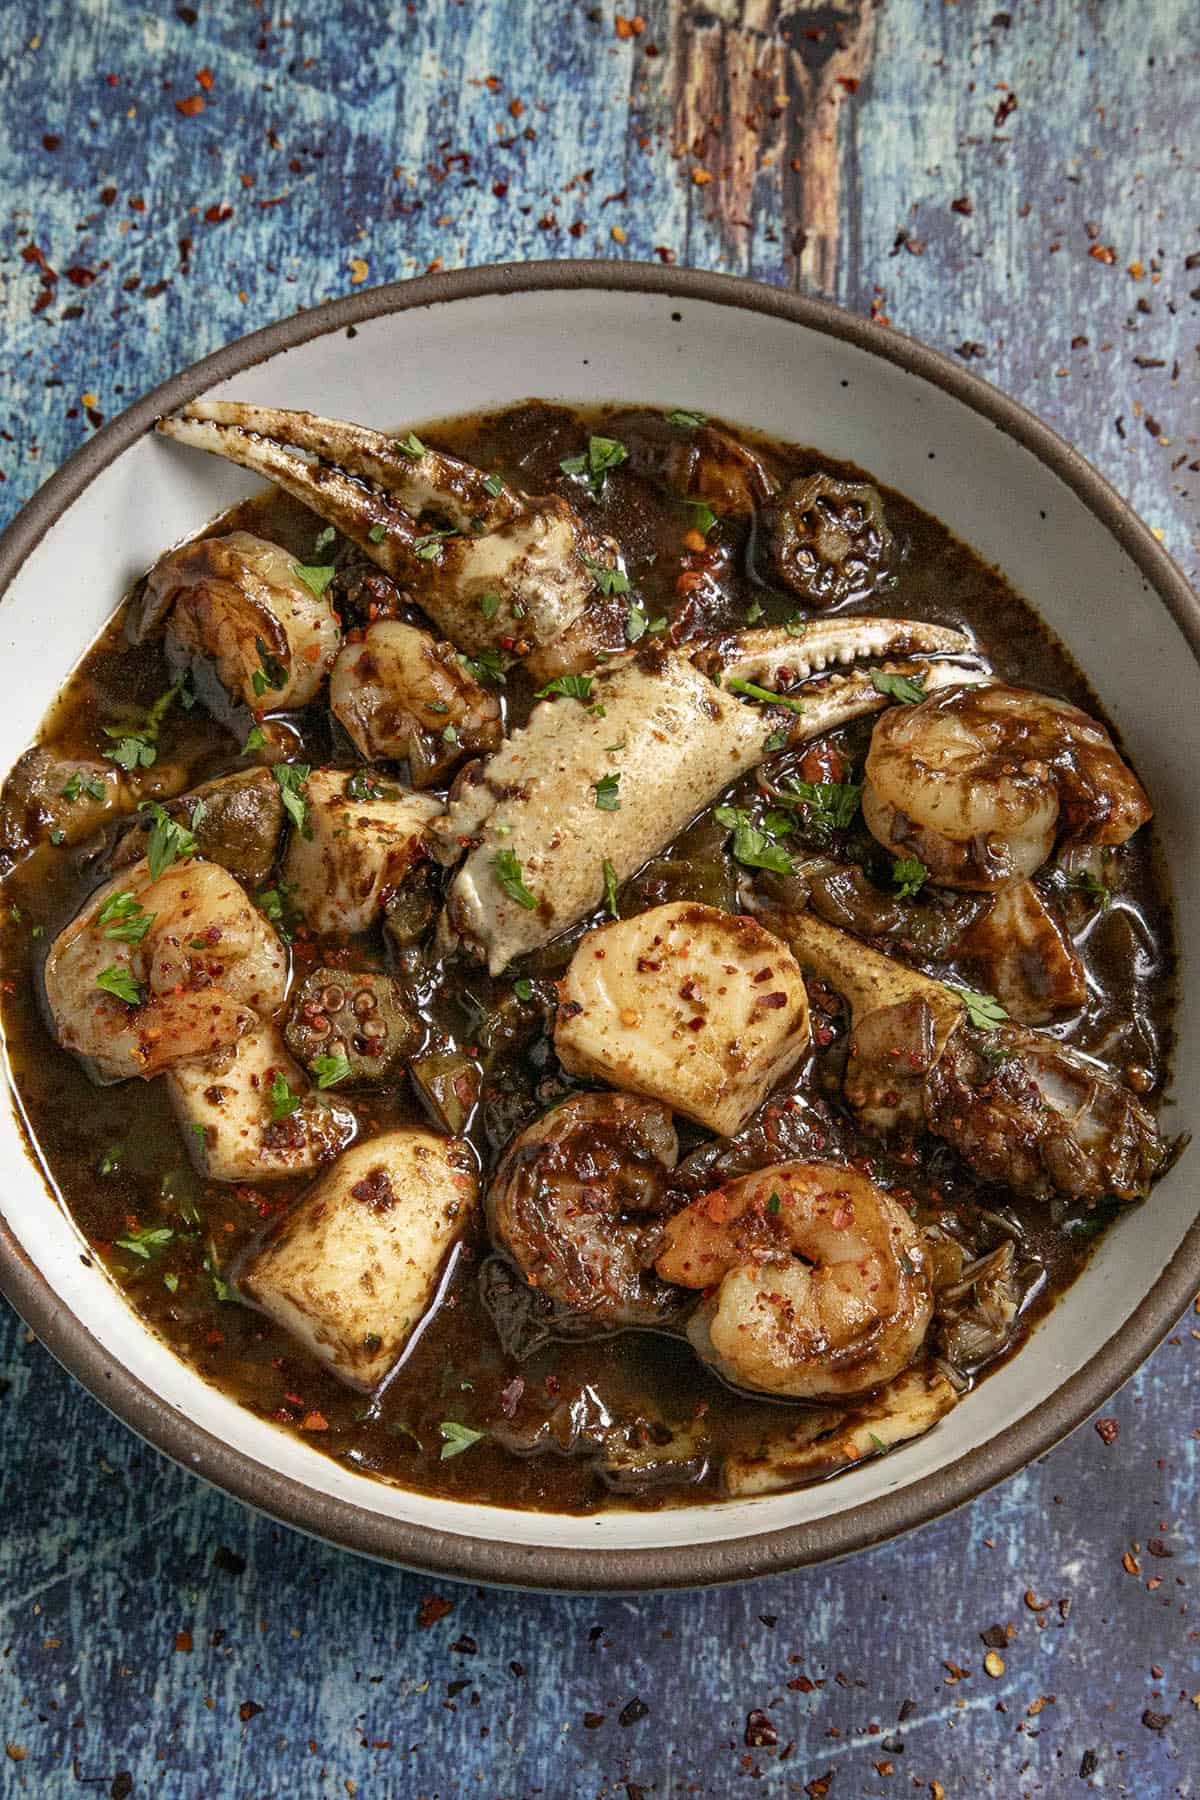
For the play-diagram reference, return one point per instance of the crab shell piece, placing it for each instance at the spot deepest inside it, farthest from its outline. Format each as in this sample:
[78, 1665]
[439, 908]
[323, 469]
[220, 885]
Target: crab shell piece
[538, 843]
[510, 572]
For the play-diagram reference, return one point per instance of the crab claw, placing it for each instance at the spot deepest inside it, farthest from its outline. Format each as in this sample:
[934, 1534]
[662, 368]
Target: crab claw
[494, 568]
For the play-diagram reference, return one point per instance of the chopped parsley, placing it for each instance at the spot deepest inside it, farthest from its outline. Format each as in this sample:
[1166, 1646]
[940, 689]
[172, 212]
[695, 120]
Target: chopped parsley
[774, 1204]
[508, 874]
[329, 1070]
[171, 1282]
[703, 520]
[131, 750]
[118, 981]
[377, 533]
[637, 624]
[754, 612]
[607, 797]
[110, 1162]
[254, 740]
[494, 485]
[145, 1241]
[456, 1438]
[283, 1101]
[409, 446]
[270, 672]
[364, 784]
[796, 628]
[125, 918]
[489, 604]
[323, 540]
[687, 417]
[221, 1287]
[777, 741]
[909, 689]
[523, 988]
[291, 778]
[829, 805]
[1085, 883]
[429, 544]
[610, 889]
[91, 785]
[877, 1441]
[754, 846]
[276, 904]
[608, 580]
[910, 875]
[752, 691]
[315, 576]
[984, 1012]
[487, 667]
[602, 454]
[450, 735]
[578, 687]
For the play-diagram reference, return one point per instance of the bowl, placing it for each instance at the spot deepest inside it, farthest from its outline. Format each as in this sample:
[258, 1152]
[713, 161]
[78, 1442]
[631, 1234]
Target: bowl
[796, 369]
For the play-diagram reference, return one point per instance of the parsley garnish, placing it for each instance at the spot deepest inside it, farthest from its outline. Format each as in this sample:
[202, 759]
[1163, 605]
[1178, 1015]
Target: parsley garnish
[610, 888]
[1085, 883]
[829, 805]
[494, 485]
[118, 981]
[364, 784]
[776, 741]
[489, 605]
[608, 580]
[276, 905]
[131, 751]
[377, 533]
[752, 691]
[637, 624]
[703, 520]
[125, 917]
[486, 667]
[291, 778]
[906, 688]
[450, 735]
[456, 1438]
[984, 1012]
[607, 797]
[221, 1287]
[910, 875]
[508, 874]
[754, 612]
[254, 740]
[91, 785]
[877, 1441]
[171, 1282]
[145, 1242]
[315, 576]
[687, 417]
[329, 1070]
[523, 988]
[753, 845]
[603, 454]
[409, 446]
[283, 1101]
[270, 673]
[578, 687]
[168, 840]
[428, 545]
[323, 540]
[774, 1204]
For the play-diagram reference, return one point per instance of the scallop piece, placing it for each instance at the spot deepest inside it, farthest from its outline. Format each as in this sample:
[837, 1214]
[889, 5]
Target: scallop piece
[403, 696]
[699, 1008]
[249, 1112]
[355, 1266]
[362, 834]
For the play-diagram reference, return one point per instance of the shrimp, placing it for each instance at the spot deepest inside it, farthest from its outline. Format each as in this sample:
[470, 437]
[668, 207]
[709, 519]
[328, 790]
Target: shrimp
[980, 782]
[241, 603]
[154, 972]
[819, 1283]
[576, 1204]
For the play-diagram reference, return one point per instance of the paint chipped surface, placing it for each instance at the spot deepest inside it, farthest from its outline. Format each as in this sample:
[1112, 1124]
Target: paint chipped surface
[1017, 188]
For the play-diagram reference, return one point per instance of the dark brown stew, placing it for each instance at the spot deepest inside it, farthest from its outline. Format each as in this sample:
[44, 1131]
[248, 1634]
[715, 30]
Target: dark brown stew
[555, 1418]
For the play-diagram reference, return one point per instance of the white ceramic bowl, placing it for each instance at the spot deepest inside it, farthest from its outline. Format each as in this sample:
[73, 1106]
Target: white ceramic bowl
[797, 370]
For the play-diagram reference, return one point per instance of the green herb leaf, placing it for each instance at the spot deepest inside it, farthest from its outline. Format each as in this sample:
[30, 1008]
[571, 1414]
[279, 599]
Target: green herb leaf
[703, 520]
[635, 624]
[984, 1012]
[610, 889]
[118, 981]
[752, 691]
[910, 875]
[754, 612]
[578, 687]
[774, 1204]
[58, 836]
[905, 688]
[315, 576]
[828, 805]
[146, 1242]
[377, 533]
[456, 1438]
[607, 795]
[283, 1101]
[110, 1162]
[777, 741]
[752, 845]
[290, 779]
[409, 446]
[489, 605]
[329, 1070]
[1085, 883]
[271, 673]
[877, 1441]
[130, 752]
[494, 485]
[125, 918]
[221, 1287]
[487, 667]
[364, 784]
[603, 454]
[687, 417]
[171, 1282]
[254, 740]
[523, 988]
[276, 904]
[608, 580]
[796, 628]
[323, 540]
[450, 735]
[91, 785]
[508, 874]
[428, 545]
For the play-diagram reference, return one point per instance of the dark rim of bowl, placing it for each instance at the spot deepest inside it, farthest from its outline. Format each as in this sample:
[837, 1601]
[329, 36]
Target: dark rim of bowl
[447, 1553]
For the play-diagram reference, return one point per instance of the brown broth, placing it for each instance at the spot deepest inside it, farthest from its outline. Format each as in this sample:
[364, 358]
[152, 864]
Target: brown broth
[117, 1160]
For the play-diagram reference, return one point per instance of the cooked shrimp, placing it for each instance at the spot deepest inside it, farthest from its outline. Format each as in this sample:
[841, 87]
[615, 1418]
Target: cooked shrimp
[152, 973]
[819, 1282]
[240, 602]
[980, 782]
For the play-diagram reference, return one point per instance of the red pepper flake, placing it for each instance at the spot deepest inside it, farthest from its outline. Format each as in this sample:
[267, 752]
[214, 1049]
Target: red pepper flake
[80, 277]
[191, 106]
[701, 177]
[432, 1608]
[760, 1731]
[1107, 1430]
[630, 28]
[314, 1421]
[183, 1640]
[1005, 110]
[217, 215]
[1103, 253]
[205, 77]
[516, 108]
[51, 141]
[248, 1710]
[849, 82]
[962, 205]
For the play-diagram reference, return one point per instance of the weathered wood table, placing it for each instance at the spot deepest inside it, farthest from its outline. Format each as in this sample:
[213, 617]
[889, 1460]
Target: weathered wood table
[1015, 186]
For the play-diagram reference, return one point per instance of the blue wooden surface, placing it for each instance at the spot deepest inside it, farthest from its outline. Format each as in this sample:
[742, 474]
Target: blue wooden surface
[822, 146]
